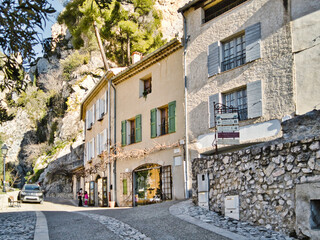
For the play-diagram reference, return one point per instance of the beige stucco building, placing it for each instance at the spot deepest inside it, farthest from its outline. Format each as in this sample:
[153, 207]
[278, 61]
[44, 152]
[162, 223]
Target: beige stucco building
[240, 54]
[139, 157]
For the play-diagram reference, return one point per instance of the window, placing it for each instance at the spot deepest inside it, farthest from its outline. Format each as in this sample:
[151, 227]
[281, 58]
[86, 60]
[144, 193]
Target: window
[237, 99]
[131, 131]
[145, 86]
[248, 100]
[234, 52]
[212, 11]
[90, 150]
[125, 187]
[101, 141]
[163, 120]
[89, 118]
[100, 108]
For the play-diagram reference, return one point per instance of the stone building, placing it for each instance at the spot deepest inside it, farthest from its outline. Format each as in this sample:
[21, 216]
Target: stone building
[134, 136]
[240, 54]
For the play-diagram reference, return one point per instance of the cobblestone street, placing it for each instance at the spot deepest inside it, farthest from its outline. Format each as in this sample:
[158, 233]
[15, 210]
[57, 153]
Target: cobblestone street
[173, 220]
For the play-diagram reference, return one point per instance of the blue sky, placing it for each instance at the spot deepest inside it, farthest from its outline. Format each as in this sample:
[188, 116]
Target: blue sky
[57, 4]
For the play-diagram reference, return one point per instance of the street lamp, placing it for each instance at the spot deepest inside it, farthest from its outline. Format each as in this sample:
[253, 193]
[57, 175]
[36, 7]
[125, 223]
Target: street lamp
[4, 151]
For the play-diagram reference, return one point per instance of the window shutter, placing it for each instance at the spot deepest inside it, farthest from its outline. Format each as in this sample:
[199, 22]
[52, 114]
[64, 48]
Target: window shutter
[254, 96]
[87, 119]
[97, 116]
[105, 141]
[138, 128]
[213, 59]
[102, 107]
[215, 98]
[153, 122]
[172, 116]
[124, 133]
[93, 147]
[87, 152]
[253, 36]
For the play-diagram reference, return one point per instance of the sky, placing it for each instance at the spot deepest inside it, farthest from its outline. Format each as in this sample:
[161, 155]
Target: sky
[57, 5]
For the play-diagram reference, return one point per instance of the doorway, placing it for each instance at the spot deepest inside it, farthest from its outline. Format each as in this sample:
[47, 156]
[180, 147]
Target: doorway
[152, 184]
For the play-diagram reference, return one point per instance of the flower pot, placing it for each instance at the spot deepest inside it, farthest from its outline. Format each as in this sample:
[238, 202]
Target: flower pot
[112, 204]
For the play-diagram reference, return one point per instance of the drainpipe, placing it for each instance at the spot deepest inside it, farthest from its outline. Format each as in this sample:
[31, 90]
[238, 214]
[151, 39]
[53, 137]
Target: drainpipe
[109, 138]
[115, 141]
[186, 167]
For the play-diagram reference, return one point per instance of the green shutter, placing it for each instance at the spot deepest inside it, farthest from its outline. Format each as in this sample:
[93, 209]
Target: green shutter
[125, 187]
[153, 122]
[138, 128]
[124, 133]
[172, 117]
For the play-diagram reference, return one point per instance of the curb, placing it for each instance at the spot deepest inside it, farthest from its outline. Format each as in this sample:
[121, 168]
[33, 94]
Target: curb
[179, 210]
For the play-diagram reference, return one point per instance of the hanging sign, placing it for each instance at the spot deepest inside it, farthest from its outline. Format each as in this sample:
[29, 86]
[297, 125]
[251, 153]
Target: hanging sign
[228, 128]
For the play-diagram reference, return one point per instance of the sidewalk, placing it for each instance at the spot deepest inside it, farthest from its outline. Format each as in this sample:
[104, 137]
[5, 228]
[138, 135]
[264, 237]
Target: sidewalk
[227, 227]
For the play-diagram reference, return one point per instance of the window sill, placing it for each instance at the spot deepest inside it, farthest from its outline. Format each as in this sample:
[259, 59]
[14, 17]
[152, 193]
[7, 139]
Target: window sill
[232, 69]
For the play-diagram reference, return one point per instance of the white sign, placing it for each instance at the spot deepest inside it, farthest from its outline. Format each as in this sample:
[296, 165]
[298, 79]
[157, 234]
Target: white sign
[233, 128]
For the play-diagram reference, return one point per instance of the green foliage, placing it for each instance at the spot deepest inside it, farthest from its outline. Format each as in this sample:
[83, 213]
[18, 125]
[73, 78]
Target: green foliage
[35, 176]
[123, 31]
[72, 62]
[34, 102]
[19, 21]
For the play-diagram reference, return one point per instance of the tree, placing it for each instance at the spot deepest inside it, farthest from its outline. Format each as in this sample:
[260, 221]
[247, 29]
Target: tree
[19, 22]
[122, 31]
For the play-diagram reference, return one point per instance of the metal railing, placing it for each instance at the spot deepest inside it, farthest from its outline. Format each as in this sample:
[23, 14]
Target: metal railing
[233, 62]
[163, 127]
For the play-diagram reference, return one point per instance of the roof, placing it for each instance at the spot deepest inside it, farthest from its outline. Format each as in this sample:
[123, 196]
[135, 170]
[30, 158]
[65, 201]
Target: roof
[188, 5]
[148, 60]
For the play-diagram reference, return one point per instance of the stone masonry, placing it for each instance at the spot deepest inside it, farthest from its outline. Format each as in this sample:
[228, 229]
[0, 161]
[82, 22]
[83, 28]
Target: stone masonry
[265, 177]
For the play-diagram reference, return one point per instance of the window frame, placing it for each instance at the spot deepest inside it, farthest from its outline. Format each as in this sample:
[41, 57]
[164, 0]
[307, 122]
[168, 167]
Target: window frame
[243, 111]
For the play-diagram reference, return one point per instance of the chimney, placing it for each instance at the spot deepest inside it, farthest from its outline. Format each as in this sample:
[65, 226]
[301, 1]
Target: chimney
[136, 57]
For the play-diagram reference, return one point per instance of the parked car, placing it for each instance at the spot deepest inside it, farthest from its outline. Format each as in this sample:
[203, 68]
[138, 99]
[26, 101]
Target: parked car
[31, 193]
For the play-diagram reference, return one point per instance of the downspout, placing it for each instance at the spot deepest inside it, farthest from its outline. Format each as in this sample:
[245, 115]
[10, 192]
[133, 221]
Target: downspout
[115, 142]
[186, 167]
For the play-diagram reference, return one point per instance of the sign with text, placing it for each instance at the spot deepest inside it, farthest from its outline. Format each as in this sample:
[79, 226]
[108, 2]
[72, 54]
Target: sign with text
[228, 128]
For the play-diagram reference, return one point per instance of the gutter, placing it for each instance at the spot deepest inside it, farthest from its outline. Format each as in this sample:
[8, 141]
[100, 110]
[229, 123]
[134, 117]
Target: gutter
[115, 142]
[186, 167]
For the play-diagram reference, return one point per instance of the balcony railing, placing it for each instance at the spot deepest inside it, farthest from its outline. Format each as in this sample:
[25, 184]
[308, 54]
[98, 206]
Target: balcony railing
[234, 62]
[164, 127]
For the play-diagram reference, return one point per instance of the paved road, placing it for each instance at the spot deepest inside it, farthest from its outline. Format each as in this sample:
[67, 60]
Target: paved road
[65, 222]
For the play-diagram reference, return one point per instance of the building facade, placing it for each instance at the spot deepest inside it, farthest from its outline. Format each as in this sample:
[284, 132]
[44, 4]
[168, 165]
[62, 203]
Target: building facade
[150, 128]
[239, 54]
[134, 138]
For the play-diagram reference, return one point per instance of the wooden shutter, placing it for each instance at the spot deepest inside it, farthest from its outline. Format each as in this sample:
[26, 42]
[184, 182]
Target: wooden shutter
[87, 119]
[105, 142]
[172, 116]
[153, 122]
[254, 96]
[253, 36]
[215, 98]
[213, 59]
[93, 148]
[124, 133]
[138, 128]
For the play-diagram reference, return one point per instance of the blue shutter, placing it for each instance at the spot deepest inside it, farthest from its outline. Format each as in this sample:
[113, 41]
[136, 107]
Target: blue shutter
[253, 36]
[213, 59]
[254, 96]
[215, 98]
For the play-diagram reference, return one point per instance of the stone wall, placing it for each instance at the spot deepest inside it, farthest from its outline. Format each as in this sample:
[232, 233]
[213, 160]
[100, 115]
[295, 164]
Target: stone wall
[265, 177]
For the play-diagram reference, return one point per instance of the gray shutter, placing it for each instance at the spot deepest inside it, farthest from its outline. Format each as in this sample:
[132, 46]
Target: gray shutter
[213, 59]
[212, 99]
[106, 103]
[254, 96]
[253, 36]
